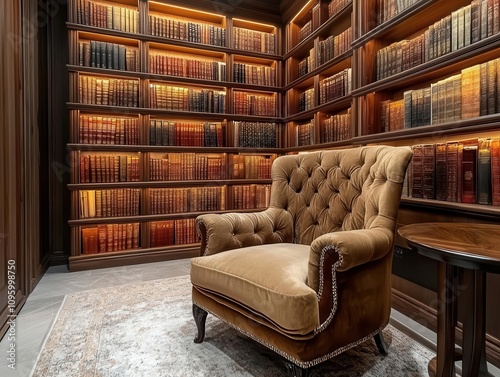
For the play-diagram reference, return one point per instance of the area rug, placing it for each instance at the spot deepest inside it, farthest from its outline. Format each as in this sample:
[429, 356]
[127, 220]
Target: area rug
[147, 329]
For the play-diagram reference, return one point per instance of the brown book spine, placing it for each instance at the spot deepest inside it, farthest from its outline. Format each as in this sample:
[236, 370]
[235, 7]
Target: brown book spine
[484, 189]
[441, 174]
[469, 173]
[428, 173]
[417, 171]
[103, 236]
[495, 171]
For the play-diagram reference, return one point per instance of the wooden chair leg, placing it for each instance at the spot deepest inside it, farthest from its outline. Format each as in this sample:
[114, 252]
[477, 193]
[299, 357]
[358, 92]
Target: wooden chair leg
[200, 317]
[296, 371]
[381, 344]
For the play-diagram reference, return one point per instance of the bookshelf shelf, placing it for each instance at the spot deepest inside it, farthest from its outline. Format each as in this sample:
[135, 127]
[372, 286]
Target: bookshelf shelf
[103, 32]
[484, 211]
[165, 184]
[411, 20]
[473, 126]
[300, 47]
[321, 146]
[477, 53]
[164, 148]
[103, 72]
[175, 57]
[333, 106]
[335, 65]
[148, 218]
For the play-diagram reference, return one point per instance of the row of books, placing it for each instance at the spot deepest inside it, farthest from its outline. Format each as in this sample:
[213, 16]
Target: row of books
[172, 232]
[306, 100]
[392, 115]
[97, 168]
[251, 196]
[465, 171]
[335, 86]
[307, 64]
[250, 167]
[472, 93]
[388, 9]
[304, 134]
[108, 130]
[254, 134]
[187, 166]
[467, 25]
[110, 237]
[254, 74]
[108, 92]
[335, 6]
[107, 16]
[186, 30]
[187, 199]
[253, 40]
[173, 133]
[178, 65]
[108, 55]
[337, 128]
[334, 46]
[305, 30]
[254, 104]
[169, 97]
[109, 203]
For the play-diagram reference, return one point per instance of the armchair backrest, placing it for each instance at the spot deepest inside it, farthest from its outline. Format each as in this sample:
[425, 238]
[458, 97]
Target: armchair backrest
[338, 190]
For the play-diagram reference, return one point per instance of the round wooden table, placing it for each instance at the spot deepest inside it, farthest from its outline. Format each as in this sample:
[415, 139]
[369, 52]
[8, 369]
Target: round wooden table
[474, 248]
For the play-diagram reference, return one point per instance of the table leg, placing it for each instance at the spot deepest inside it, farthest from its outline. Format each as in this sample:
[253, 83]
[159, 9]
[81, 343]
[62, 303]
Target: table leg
[474, 344]
[446, 319]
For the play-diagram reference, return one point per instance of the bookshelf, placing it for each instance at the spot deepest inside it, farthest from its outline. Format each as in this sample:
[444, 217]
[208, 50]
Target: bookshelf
[433, 86]
[174, 112]
[166, 80]
[319, 75]
[423, 73]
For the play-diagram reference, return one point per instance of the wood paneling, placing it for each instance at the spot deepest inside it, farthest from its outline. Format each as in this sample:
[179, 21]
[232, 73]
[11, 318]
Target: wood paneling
[12, 283]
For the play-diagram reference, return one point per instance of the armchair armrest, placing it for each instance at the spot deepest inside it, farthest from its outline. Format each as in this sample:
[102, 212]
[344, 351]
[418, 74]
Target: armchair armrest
[221, 232]
[352, 248]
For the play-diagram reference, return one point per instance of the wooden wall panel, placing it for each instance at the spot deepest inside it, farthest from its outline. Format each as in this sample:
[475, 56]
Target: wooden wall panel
[11, 214]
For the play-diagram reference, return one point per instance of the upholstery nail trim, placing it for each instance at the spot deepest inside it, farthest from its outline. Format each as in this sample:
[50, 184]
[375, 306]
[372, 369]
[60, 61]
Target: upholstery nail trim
[335, 266]
[302, 364]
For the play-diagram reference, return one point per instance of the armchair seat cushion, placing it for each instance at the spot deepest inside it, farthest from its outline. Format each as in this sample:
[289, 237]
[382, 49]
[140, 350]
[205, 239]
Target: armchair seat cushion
[270, 281]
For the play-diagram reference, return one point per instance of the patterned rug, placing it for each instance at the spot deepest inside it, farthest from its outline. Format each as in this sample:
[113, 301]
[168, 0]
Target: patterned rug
[147, 329]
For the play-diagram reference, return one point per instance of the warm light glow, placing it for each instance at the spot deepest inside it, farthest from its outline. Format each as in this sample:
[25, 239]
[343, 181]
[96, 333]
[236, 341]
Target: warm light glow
[190, 10]
[255, 23]
[303, 8]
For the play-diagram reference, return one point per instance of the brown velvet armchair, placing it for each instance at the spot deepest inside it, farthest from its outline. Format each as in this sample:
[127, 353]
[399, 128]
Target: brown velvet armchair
[310, 276]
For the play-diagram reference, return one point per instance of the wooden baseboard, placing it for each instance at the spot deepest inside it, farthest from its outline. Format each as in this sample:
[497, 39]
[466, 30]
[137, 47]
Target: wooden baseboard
[105, 260]
[426, 316]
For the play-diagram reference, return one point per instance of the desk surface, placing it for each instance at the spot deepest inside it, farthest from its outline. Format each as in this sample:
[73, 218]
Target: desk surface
[469, 245]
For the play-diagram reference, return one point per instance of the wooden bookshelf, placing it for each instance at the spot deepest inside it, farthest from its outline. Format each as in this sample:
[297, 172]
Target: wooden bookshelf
[172, 111]
[315, 65]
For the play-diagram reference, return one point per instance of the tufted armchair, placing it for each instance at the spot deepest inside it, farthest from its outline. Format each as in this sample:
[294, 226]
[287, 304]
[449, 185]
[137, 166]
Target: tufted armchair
[310, 276]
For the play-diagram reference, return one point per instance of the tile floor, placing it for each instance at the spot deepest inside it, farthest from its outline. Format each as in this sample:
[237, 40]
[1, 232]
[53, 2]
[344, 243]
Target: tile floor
[38, 314]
